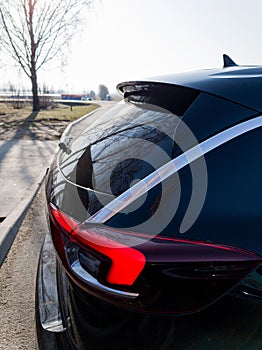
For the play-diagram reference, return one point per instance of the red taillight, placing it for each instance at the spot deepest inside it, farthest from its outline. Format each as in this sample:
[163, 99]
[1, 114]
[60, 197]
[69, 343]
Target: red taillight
[65, 221]
[126, 262]
[156, 274]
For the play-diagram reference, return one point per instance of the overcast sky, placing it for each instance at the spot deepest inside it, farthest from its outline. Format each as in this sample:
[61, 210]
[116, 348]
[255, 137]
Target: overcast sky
[130, 39]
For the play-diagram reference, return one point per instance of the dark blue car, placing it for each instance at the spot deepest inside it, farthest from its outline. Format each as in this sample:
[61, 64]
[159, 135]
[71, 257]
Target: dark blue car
[155, 214]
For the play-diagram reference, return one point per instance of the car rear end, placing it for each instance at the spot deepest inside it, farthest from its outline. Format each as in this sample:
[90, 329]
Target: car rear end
[149, 214]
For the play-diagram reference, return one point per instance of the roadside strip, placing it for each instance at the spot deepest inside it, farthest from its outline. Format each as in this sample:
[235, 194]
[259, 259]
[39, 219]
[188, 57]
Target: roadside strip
[10, 226]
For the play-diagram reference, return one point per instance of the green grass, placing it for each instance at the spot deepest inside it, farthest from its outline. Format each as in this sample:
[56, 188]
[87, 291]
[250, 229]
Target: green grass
[60, 112]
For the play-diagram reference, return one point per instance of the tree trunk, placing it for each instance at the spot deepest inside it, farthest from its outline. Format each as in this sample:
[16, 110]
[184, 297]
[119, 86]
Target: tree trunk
[36, 104]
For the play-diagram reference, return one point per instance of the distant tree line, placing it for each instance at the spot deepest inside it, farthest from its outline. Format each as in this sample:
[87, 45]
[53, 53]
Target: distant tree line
[10, 87]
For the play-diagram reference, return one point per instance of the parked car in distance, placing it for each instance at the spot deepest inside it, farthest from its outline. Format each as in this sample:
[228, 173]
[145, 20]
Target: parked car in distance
[155, 212]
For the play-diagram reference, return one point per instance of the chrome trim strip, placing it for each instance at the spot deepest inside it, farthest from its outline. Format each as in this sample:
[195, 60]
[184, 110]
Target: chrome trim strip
[48, 301]
[168, 169]
[76, 267]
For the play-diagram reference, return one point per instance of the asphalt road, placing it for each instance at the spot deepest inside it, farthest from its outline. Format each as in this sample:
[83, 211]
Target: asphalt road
[17, 281]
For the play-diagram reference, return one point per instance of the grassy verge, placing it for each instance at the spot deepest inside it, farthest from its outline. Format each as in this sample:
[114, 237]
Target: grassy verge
[60, 112]
[43, 125]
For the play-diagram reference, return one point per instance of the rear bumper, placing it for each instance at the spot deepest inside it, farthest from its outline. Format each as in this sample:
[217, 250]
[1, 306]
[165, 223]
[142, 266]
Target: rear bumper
[95, 322]
[49, 325]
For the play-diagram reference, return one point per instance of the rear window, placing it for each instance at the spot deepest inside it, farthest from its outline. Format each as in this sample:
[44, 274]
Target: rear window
[129, 141]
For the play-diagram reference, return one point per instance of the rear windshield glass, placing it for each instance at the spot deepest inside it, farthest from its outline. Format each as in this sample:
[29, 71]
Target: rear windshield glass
[125, 144]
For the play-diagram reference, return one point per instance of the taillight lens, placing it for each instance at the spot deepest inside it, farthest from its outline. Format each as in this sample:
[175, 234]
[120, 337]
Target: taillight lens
[161, 275]
[126, 262]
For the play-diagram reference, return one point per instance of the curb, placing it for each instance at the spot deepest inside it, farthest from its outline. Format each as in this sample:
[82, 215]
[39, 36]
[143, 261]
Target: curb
[10, 226]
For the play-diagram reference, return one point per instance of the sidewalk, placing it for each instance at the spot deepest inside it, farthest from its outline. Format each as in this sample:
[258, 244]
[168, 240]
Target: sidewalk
[23, 165]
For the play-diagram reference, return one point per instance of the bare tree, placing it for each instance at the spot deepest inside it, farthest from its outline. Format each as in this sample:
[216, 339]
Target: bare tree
[92, 95]
[33, 32]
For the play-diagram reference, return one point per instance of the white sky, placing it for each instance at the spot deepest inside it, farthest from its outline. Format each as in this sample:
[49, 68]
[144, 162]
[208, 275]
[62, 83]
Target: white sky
[130, 39]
